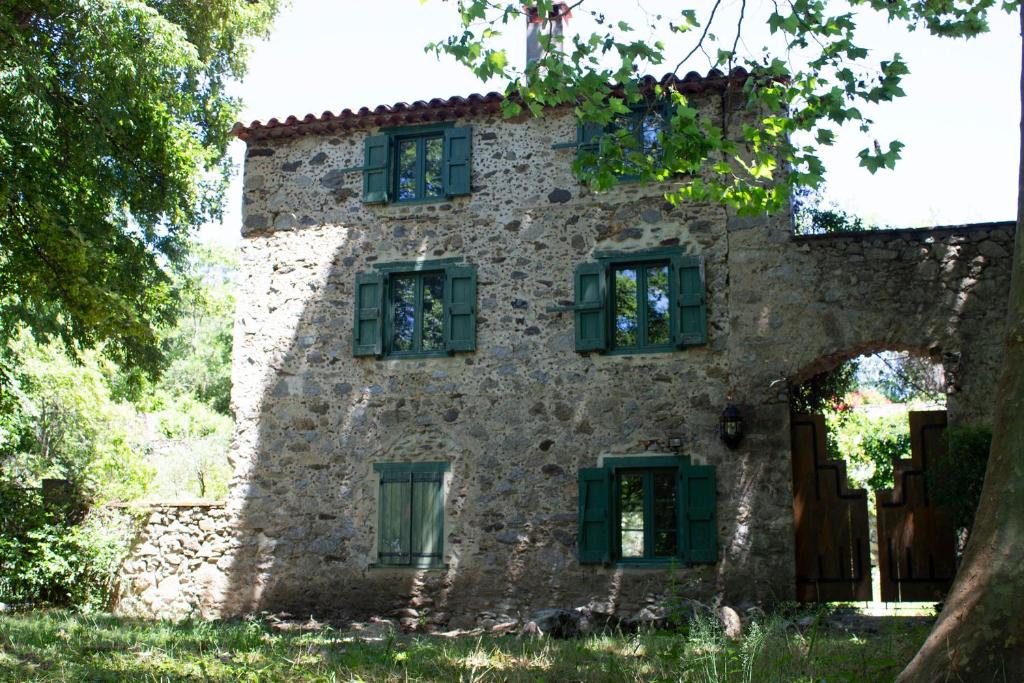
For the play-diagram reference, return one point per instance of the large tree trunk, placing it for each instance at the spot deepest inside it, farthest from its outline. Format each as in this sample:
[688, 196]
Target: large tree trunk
[979, 636]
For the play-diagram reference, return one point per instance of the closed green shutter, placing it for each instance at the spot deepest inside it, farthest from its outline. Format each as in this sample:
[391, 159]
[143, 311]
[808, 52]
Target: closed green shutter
[699, 532]
[594, 516]
[460, 308]
[376, 169]
[427, 518]
[367, 328]
[395, 504]
[458, 144]
[591, 309]
[689, 324]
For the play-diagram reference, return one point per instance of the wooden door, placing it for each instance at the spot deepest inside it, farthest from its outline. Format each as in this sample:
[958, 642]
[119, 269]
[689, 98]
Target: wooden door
[833, 559]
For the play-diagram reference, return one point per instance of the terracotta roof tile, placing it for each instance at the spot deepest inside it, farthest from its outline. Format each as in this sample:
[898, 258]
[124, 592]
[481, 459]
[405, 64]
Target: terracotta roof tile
[439, 109]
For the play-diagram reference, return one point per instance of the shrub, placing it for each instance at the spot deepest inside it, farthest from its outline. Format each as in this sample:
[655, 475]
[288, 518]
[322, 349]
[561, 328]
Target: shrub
[955, 481]
[48, 557]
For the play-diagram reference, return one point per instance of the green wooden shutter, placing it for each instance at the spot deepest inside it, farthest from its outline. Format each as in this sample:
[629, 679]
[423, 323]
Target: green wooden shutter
[367, 328]
[427, 518]
[689, 324]
[698, 530]
[591, 309]
[588, 137]
[594, 516]
[460, 308]
[395, 504]
[458, 144]
[376, 168]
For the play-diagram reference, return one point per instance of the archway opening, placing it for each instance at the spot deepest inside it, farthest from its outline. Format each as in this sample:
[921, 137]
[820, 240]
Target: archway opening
[864, 428]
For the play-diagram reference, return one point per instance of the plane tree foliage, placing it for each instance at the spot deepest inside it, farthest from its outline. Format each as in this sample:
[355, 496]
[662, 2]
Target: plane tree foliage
[114, 117]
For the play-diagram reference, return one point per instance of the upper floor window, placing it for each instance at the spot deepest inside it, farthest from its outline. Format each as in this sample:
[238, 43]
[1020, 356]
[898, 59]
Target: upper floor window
[415, 310]
[629, 142]
[422, 163]
[640, 302]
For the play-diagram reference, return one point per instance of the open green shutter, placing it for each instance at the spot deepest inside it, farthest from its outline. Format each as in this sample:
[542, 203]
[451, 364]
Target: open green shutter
[588, 140]
[395, 504]
[699, 533]
[376, 168]
[594, 516]
[427, 517]
[460, 308]
[367, 328]
[591, 309]
[689, 324]
[458, 144]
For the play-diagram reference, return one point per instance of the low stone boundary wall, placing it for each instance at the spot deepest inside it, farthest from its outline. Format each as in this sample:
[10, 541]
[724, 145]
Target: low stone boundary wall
[178, 565]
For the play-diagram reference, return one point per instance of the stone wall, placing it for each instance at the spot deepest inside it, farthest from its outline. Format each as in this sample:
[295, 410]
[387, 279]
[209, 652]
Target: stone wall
[519, 417]
[180, 562]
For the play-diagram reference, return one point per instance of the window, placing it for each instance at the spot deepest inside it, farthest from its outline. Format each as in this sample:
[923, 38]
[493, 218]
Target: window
[415, 310]
[638, 136]
[418, 164]
[642, 510]
[635, 303]
[410, 531]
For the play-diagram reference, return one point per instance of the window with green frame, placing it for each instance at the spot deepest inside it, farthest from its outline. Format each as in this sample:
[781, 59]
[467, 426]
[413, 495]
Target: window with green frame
[417, 164]
[415, 310]
[640, 302]
[638, 134]
[644, 510]
[410, 529]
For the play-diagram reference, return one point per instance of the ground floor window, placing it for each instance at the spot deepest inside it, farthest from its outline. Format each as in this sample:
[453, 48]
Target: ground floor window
[410, 529]
[655, 509]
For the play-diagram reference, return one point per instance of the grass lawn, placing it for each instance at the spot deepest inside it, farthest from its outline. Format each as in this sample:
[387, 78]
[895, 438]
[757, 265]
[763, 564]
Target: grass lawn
[64, 646]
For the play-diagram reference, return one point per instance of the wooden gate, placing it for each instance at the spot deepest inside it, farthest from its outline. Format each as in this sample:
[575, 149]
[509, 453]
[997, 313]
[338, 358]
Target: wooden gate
[916, 541]
[833, 560]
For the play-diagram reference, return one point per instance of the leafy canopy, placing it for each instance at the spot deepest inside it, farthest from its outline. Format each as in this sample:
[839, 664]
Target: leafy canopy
[113, 137]
[818, 79]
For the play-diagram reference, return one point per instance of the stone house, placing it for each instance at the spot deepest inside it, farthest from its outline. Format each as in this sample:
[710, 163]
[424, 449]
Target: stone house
[468, 386]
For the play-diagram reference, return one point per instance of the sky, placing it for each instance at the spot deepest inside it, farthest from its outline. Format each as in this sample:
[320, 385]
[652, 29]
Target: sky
[959, 120]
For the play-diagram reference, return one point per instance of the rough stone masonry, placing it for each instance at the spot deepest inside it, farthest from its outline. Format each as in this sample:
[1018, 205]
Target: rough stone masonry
[516, 419]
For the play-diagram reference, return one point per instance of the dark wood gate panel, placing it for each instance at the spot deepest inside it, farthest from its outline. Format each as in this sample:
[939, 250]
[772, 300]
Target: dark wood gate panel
[916, 542]
[833, 558]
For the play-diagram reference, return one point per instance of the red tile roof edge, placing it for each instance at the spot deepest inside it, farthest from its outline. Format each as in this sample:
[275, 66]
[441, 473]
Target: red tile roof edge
[402, 113]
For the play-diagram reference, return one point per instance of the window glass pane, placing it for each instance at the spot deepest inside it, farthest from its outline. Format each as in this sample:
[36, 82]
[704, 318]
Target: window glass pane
[657, 305]
[433, 311]
[664, 513]
[625, 307]
[631, 508]
[651, 123]
[403, 298]
[407, 169]
[432, 167]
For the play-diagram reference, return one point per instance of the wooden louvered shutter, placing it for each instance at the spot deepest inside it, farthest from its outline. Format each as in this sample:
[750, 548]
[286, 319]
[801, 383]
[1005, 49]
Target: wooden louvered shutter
[594, 537]
[394, 534]
[458, 146]
[699, 530]
[591, 307]
[460, 308]
[689, 322]
[367, 327]
[376, 169]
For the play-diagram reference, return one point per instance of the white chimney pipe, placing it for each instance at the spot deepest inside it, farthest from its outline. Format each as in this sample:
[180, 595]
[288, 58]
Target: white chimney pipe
[536, 27]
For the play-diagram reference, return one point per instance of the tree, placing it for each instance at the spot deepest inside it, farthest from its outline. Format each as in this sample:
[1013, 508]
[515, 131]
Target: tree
[801, 97]
[113, 136]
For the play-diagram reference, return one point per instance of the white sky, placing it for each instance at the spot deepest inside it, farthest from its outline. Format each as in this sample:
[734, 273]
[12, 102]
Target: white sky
[959, 119]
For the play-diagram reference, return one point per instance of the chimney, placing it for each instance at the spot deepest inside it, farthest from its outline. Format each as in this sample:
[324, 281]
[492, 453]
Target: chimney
[536, 26]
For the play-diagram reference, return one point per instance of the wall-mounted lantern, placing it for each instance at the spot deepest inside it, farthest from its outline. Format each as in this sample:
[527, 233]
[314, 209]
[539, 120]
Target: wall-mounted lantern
[730, 426]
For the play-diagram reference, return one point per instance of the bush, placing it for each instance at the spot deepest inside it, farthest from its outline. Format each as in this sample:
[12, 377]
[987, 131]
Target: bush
[46, 558]
[869, 443]
[955, 481]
